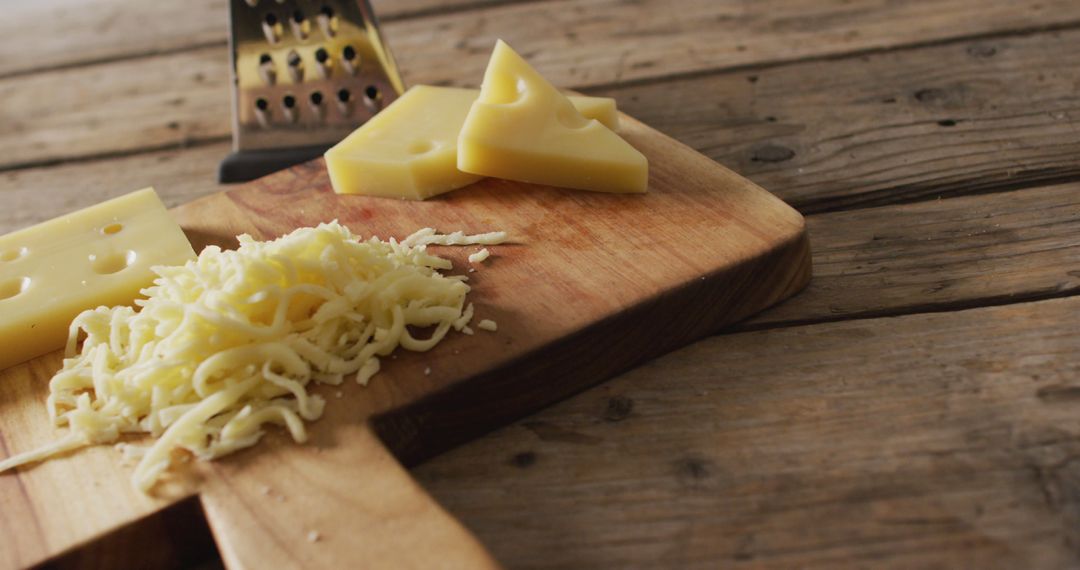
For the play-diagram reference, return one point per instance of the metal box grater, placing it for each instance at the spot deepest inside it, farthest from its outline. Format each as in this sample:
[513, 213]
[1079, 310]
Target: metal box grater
[305, 74]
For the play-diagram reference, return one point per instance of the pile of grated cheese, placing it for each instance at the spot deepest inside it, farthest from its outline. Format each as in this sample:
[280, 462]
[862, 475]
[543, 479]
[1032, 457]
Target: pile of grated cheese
[231, 341]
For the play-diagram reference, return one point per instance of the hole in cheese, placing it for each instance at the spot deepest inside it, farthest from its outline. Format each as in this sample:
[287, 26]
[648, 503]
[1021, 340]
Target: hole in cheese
[12, 254]
[570, 117]
[112, 229]
[507, 91]
[112, 262]
[420, 147]
[13, 287]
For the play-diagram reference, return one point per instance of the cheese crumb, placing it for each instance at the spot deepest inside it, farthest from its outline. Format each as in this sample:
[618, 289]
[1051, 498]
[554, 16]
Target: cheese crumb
[479, 256]
[487, 325]
[231, 341]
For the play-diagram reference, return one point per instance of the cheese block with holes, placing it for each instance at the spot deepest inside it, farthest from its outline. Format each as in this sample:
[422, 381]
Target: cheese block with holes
[522, 128]
[101, 255]
[409, 150]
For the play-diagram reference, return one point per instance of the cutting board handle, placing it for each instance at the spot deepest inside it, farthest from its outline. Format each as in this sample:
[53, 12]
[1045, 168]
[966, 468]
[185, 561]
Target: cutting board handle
[327, 506]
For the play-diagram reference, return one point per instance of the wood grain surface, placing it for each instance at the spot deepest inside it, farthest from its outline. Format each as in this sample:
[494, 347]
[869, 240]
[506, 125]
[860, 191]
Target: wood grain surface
[586, 42]
[990, 114]
[96, 31]
[848, 110]
[578, 48]
[847, 137]
[927, 441]
[938, 256]
[590, 285]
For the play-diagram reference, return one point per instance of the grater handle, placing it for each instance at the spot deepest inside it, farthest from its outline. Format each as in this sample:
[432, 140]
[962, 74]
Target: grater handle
[244, 165]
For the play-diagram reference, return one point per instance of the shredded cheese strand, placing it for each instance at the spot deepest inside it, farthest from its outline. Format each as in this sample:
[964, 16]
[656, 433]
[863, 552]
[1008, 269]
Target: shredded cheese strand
[428, 236]
[479, 256]
[232, 340]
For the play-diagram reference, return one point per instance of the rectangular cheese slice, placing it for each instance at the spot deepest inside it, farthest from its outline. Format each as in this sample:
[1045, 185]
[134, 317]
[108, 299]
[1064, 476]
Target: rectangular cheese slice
[522, 128]
[409, 150]
[101, 255]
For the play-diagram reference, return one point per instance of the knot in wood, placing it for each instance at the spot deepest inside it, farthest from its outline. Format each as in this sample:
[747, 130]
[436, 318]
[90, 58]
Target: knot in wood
[931, 95]
[772, 153]
[982, 50]
[618, 409]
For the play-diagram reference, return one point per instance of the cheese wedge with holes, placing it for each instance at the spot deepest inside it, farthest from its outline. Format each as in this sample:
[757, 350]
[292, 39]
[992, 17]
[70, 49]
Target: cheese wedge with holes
[101, 255]
[409, 150]
[522, 128]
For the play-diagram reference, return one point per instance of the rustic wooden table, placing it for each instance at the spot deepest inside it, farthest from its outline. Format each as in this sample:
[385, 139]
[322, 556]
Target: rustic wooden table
[915, 407]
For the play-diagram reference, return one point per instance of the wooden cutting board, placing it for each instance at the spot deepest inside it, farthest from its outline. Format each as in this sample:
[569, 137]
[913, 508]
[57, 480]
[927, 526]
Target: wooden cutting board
[592, 285]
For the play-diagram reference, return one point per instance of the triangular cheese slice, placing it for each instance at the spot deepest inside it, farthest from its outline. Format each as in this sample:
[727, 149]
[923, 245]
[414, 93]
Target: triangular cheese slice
[409, 150]
[522, 128]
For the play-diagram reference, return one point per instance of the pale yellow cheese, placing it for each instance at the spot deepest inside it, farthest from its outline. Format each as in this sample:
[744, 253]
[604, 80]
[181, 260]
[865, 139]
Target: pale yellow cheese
[480, 256]
[522, 128]
[600, 108]
[409, 150]
[97, 256]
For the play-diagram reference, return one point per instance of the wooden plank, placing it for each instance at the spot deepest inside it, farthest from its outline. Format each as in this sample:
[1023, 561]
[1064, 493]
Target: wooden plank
[345, 487]
[65, 33]
[51, 33]
[926, 441]
[561, 326]
[970, 116]
[41, 513]
[939, 255]
[587, 43]
[590, 41]
[33, 195]
[122, 107]
[819, 134]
